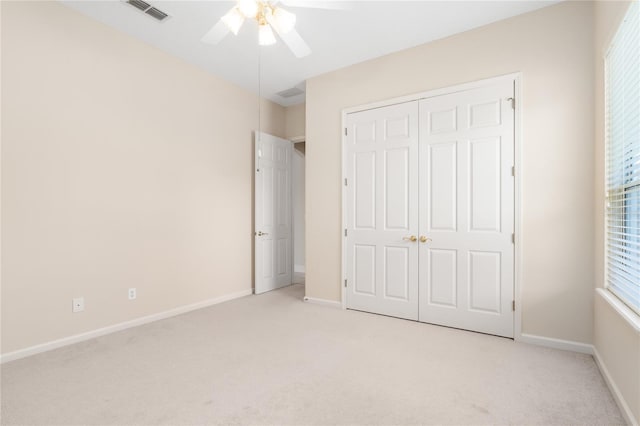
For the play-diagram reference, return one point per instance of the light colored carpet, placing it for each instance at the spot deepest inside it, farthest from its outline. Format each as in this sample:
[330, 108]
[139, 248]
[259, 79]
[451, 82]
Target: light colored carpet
[273, 359]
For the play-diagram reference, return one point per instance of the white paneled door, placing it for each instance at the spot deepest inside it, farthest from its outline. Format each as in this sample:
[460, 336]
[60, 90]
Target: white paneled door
[382, 211]
[467, 209]
[430, 210]
[273, 256]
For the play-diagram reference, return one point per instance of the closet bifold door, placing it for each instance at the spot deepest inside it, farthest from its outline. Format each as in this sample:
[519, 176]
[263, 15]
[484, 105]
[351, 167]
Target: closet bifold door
[382, 240]
[466, 264]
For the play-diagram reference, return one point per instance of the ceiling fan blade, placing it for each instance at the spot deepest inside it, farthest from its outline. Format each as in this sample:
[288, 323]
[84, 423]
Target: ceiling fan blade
[216, 33]
[291, 38]
[317, 4]
[297, 45]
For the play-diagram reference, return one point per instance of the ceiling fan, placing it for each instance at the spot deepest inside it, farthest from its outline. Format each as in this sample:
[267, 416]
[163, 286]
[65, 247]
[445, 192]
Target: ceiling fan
[269, 16]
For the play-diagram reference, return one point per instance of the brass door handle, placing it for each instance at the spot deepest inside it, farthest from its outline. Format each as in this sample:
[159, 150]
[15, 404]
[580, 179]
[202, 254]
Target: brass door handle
[412, 238]
[260, 233]
[424, 239]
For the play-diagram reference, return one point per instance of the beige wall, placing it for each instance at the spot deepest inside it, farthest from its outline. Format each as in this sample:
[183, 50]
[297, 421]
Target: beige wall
[617, 344]
[553, 48]
[295, 121]
[121, 167]
[616, 341]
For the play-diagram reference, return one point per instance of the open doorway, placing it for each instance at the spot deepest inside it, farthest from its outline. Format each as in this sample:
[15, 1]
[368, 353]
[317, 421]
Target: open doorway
[279, 218]
[273, 213]
[298, 201]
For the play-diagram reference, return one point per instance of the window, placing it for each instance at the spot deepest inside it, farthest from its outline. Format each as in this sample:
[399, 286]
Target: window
[623, 161]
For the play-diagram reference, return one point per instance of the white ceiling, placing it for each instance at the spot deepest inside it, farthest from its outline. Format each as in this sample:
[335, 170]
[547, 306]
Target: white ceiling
[368, 29]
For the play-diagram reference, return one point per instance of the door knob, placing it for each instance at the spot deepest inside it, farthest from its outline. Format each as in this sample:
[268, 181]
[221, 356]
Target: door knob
[260, 233]
[424, 239]
[412, 238]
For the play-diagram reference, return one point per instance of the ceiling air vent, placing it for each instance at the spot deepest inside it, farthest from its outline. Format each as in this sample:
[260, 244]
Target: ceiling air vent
[148, 9]
[156, 13]
[294, 91]
[139, 4]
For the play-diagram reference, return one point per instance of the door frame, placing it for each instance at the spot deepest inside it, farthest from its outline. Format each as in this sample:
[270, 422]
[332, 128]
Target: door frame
[517, 79]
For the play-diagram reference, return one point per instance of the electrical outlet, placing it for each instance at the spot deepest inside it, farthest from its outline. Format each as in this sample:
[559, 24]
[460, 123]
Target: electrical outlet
[78, 304]
[132, 293]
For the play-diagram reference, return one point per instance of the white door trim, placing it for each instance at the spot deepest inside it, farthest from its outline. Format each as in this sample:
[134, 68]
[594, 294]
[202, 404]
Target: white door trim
[517, 78]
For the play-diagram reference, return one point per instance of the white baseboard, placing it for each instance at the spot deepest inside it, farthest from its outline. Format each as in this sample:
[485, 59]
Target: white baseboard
[299, 268]
[323, 302]
[617, 395]
[65, 341]
[565, 345]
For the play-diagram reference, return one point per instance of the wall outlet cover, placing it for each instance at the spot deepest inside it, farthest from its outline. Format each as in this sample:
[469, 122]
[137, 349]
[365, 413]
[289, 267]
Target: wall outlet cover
[78, 304]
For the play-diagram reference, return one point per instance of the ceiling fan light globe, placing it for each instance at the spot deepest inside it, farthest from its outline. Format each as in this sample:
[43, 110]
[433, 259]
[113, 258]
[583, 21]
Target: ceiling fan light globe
[284, 20]
[248, 8]
[265, 35]
[233, 19]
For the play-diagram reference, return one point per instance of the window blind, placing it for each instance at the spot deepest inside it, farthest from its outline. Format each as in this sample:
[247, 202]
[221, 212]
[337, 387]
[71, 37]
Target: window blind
[623, 161]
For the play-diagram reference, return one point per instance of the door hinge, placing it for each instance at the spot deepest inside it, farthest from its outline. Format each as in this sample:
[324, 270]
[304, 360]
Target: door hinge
[513, 305]
[345, 283]
[345, 232]
[513, 238]
[345, 181]
[513, 102]
[345, 131]
[513, 171]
